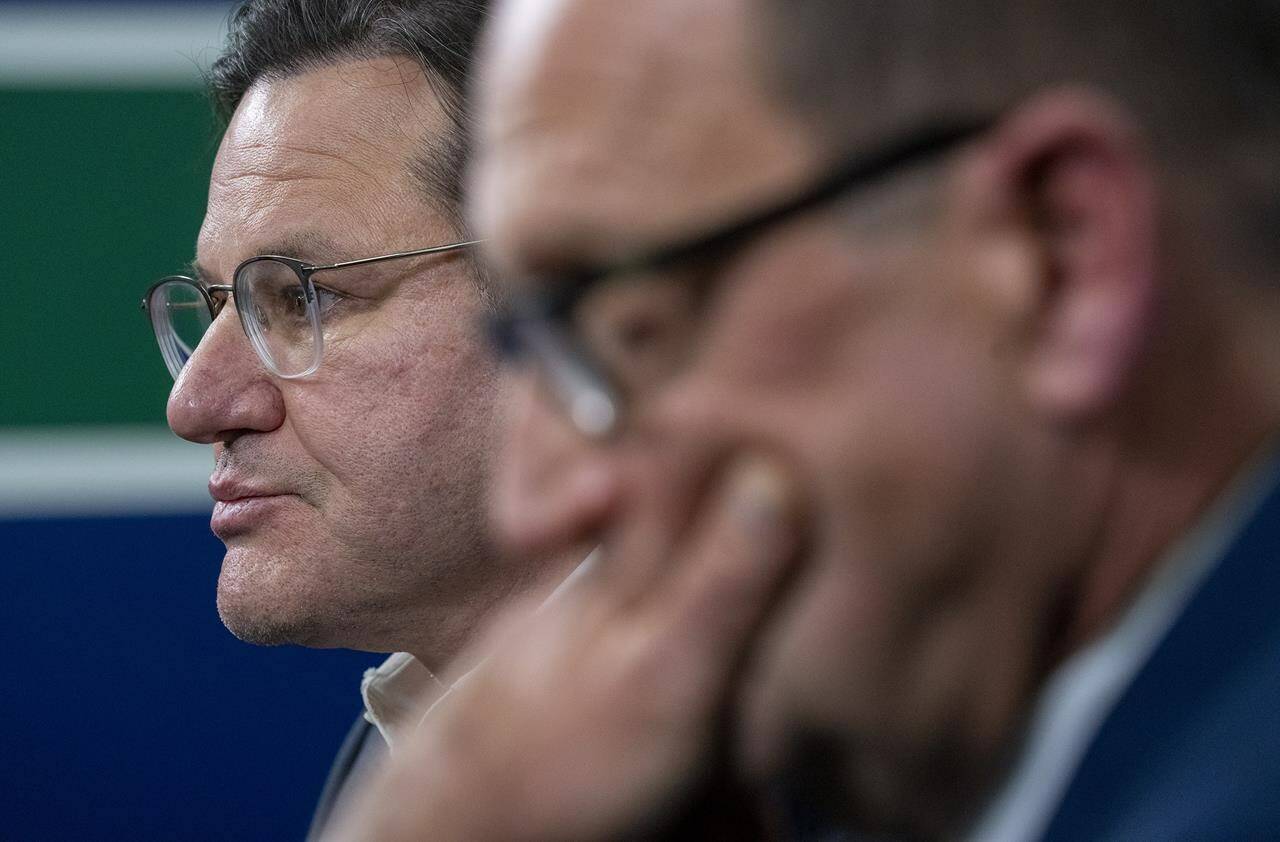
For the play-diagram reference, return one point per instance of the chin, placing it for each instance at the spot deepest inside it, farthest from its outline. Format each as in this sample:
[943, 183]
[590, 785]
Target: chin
[837, 785]
[266, 627]
[880, 787]
[258, 608]
[827, 761]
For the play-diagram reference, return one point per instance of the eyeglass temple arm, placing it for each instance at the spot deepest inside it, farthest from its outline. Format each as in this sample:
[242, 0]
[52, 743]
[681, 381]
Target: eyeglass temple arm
[927, 143]
[227, 288]
[416, 252]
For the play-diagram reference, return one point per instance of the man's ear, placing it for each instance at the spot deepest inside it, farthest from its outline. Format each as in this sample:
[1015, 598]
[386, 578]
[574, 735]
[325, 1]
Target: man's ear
[1069, 174]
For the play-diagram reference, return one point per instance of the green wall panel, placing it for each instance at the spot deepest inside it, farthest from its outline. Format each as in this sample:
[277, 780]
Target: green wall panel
[101, 192]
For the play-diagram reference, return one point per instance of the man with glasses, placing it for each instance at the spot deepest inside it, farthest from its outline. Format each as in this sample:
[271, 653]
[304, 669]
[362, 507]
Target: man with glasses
[328, 343]
[916, 366]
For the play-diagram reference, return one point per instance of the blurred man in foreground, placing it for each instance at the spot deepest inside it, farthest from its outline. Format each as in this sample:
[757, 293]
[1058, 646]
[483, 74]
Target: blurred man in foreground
[345, 387]
[916, 366]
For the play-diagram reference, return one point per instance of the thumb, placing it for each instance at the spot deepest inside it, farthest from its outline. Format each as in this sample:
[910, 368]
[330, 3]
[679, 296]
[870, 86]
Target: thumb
[736, 563]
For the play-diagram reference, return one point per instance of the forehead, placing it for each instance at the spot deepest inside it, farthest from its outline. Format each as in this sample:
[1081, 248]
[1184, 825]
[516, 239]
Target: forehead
[608, 125]
[324, 155]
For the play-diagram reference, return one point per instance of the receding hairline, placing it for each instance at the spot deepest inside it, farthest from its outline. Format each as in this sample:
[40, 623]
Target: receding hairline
[275, 39]
[428, 162]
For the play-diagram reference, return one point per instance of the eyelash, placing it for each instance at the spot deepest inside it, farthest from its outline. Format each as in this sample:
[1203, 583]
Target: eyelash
[328, 298]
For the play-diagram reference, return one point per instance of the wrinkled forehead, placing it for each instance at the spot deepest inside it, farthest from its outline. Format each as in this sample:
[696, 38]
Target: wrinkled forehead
[348, 113]
[325, 157]
[607, 125]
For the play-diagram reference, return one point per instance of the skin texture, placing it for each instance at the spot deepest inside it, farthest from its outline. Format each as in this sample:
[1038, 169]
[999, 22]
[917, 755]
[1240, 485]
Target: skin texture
[381, 456]
[973, 381]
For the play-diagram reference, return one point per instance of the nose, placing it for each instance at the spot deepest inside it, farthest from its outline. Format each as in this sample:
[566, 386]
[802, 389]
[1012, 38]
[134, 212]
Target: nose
[224, 390]
[553, 489]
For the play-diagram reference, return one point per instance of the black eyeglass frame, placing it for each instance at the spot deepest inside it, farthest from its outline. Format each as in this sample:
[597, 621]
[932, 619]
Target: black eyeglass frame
[538, 322]
[302, 270]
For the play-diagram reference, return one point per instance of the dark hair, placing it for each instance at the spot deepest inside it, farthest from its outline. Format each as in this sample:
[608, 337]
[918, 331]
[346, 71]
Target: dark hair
[272, 39]
[1202, 76]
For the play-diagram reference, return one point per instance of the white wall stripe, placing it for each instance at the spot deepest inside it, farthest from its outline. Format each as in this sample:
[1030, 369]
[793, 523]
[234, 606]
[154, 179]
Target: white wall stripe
[101, 471]
[109, 44]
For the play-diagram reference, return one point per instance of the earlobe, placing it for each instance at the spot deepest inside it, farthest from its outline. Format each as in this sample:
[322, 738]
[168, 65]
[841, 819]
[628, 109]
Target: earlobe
[1074, 165]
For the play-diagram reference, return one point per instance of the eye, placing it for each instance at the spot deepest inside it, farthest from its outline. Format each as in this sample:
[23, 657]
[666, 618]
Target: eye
[640, 328]
[328, 299]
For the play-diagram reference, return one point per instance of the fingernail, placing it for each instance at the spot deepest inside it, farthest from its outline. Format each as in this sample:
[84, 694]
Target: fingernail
[759, 493]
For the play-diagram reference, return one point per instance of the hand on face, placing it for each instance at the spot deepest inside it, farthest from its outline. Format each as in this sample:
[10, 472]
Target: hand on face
[603, 714]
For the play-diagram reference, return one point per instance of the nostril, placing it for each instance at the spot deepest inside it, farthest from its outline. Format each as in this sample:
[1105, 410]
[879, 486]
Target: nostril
[592, 486]
[514, 536]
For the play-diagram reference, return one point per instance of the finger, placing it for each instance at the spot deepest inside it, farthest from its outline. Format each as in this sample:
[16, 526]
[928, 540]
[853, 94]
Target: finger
[663, 492]
[735, 563]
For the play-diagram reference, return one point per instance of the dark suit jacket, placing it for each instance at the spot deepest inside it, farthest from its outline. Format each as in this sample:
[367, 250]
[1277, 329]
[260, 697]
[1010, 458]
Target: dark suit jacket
[1192, 749]
[362, 750]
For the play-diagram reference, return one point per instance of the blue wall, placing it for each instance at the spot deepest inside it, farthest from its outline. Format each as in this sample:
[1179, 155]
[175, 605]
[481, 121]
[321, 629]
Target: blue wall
[131, 713]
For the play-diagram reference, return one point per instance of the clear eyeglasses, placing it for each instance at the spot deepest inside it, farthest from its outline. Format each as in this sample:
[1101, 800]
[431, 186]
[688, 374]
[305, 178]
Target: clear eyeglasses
[278, 305]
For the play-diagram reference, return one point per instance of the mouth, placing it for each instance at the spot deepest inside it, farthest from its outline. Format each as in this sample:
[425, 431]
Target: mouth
[240, 515]
[240, 507]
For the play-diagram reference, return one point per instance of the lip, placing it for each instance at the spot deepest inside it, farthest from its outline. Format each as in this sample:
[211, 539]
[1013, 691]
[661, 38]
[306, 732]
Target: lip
[227, 489]
[240, 506]
[242, 514]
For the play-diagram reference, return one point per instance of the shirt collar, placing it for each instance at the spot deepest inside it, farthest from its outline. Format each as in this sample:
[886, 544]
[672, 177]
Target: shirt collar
[395, 693]
[398, 691]
[1080, 693]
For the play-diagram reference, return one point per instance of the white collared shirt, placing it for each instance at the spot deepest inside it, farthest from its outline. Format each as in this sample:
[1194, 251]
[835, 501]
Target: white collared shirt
[395, 694]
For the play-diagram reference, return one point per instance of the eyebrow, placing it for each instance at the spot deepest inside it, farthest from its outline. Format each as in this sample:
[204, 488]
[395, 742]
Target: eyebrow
[195, 270]
[311, 247]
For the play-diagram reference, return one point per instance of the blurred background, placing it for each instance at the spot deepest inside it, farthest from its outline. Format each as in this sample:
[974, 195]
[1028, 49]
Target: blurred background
[130, 712]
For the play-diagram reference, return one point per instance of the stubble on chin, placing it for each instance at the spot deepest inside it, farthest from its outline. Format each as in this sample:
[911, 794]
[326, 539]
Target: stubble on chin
[258, 608]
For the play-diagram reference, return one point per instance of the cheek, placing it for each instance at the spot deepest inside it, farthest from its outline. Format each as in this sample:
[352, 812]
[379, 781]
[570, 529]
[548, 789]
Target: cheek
[829, 652]
[900, 444]
[908, 462]
[393, 409]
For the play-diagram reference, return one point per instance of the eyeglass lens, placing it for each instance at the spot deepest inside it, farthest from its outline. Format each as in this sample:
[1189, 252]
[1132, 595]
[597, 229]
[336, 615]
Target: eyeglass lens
[275, 307]
[280, 316]
[180, 316]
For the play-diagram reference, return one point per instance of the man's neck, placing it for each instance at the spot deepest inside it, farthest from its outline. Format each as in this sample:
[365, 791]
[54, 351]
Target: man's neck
[1079, 695]
[1177, 452]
